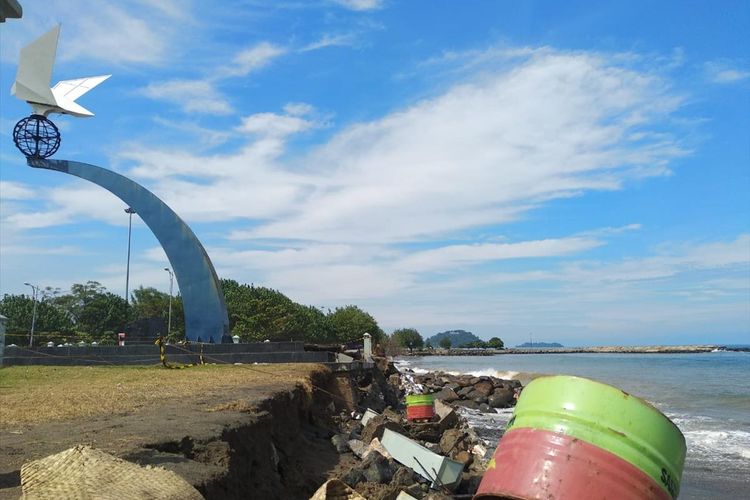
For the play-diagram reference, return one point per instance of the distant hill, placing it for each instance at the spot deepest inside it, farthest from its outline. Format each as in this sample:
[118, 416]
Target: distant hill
[458, 338]
[540, 344]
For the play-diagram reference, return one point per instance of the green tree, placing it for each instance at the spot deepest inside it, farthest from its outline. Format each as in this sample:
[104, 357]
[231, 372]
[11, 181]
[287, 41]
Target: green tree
[259, 313]
[51, 321]
[445, 343]
[351, 323]
[149, 302]
[102, 315]
[495, 343]
[408, 337]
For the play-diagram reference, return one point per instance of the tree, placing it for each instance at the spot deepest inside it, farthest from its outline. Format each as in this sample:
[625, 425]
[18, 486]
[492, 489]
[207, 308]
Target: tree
[495, 343]
[445, 343]
[49, 319]
[103, 314]
[351, 323]
[149, 303]
[476, 344]
[408, 337]
[259, 313]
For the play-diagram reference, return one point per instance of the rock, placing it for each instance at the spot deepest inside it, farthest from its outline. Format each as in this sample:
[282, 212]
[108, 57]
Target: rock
[375, 447]
[484, 387]
[424, 431]
[340, 442]
[467, 403]
[353, 477]
[451, 440]
[469, 483]
[480, 400]
[376, 469]
[464, 391]
[479, 450]
[375, 427]
[392, 415]
[446, 394]
[433, 447]
[453, 386]
[501, 398]
[485, 408]
[404, 476]
[464, 457]
[447, 415]
[357, 447]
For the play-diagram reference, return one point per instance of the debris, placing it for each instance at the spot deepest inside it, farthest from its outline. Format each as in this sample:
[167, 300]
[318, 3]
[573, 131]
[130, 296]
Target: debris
[335, 489]
[437, 469]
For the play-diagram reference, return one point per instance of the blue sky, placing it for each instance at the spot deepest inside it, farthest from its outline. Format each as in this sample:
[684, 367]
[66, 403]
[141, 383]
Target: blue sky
[577, 171]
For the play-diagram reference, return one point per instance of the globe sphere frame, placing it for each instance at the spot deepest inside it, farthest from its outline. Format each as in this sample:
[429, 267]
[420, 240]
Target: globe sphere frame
[36, 136]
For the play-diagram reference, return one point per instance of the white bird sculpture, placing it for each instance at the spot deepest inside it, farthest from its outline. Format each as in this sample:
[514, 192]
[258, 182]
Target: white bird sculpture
[35, 74]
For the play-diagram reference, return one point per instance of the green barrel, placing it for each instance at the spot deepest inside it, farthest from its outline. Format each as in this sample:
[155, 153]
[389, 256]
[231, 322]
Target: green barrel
[609, 418]
[419, 400]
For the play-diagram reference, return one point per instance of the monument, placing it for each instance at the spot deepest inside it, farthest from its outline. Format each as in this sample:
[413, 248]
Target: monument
[38, 138]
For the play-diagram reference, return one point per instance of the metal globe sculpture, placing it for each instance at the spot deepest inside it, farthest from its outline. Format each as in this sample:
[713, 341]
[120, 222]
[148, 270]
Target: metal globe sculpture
[36, 137]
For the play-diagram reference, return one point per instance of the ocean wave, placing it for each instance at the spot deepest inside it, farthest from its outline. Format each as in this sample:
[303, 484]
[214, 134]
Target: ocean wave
[718, 444]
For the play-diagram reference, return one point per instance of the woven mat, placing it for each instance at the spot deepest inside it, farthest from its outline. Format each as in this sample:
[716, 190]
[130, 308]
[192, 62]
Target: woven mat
[85, 473]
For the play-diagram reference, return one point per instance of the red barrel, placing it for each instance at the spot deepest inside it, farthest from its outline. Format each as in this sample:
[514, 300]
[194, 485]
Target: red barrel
[420, 412]
[537, 463]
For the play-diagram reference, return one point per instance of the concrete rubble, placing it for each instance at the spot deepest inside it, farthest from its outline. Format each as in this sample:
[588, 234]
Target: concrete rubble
[388, 450]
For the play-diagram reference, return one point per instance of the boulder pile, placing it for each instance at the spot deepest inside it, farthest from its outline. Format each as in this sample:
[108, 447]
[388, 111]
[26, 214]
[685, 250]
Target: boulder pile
[482, 393]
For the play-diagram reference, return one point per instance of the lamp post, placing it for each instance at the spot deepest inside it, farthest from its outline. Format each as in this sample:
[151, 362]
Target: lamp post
[35, 291]
[171, 281]
[130, 213]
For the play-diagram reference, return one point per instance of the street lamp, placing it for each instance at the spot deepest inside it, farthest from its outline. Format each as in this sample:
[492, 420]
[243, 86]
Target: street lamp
[130, 213]
[35, 291]
[171, 281]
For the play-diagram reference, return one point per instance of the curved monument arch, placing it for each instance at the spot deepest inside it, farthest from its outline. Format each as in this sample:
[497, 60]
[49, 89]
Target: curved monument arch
[206, 318]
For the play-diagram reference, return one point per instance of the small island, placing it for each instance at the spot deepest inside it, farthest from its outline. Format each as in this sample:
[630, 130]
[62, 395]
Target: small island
[540, 345]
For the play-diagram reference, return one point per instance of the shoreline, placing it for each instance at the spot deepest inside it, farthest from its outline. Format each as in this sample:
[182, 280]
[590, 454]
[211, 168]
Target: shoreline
[654, 349]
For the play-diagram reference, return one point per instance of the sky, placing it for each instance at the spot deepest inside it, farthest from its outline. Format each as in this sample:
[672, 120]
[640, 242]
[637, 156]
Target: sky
[574, 172]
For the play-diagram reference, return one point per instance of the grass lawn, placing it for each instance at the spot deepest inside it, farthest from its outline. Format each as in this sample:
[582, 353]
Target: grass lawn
[36, 394]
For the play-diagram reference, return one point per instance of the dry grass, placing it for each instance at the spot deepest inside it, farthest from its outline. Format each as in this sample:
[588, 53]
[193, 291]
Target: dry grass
[36, 394]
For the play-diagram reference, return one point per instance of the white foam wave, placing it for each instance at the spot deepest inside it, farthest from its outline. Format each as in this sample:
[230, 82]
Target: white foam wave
[718, 443]
[489, 372]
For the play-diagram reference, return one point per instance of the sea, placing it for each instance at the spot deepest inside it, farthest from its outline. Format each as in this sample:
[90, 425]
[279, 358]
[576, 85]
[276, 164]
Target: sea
[707, 395]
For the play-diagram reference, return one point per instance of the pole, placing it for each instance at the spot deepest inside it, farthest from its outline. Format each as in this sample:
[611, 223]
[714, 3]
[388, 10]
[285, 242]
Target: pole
[34, 291]
[130, 213]
[171, 281]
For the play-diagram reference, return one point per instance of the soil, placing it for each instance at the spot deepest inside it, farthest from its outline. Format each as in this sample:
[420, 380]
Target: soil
[267, 440]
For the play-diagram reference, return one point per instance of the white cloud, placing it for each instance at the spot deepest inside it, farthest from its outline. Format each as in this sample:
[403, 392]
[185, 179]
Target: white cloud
[273, 125]
[722, 72]
[193, 96]
[456, 256]
[251, 59]
[15, 191]
[360, 5]
[330, 41]
[298, 109]
[108, 31]
[484, 152]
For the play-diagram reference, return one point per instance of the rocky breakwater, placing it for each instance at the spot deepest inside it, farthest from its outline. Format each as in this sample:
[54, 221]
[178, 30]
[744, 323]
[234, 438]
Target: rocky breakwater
[482, 393]
[380, 470]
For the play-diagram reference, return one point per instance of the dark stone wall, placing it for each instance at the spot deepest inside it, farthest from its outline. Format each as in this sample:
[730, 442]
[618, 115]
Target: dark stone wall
[265, 352]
